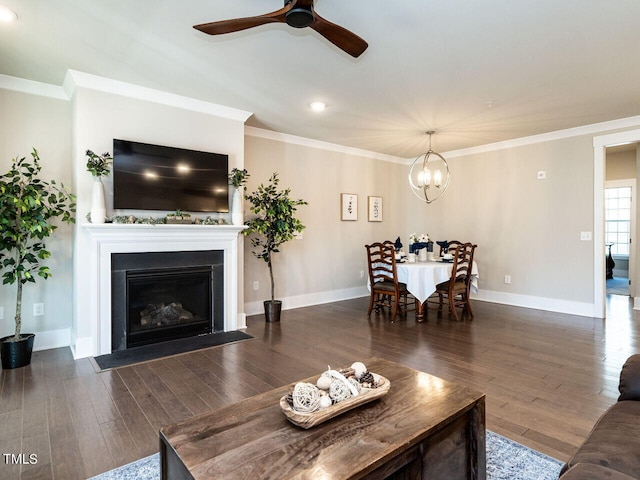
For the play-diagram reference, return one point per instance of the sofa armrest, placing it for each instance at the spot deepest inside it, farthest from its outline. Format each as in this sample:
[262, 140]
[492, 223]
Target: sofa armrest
[629, 386]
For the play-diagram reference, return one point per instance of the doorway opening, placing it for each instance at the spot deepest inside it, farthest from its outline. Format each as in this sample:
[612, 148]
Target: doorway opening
[619, 204]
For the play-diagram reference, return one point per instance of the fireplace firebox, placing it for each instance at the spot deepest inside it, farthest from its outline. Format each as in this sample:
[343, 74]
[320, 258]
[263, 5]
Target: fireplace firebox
[162, 296]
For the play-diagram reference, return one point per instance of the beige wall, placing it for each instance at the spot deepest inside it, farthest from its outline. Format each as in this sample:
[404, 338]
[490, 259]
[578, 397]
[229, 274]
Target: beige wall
[621, 165]
[30, 121]
[525, 227]
[331, 255]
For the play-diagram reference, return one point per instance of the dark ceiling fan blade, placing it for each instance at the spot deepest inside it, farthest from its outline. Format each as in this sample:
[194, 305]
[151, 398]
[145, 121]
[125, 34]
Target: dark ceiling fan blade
[339, 36]
[298, 14]
[237, 24]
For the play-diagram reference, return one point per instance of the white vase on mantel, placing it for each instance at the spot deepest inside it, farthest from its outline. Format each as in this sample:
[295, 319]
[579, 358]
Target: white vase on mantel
[236, 208]
[98, 207]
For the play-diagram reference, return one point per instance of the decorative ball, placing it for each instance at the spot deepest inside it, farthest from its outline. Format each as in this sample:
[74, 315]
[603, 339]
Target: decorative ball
[338, 391]
[325, 401]
[324, 382]
[359, 368]
[306, 397]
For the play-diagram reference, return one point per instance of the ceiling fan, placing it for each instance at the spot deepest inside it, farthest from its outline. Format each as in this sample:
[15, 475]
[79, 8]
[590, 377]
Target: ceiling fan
[298, 14]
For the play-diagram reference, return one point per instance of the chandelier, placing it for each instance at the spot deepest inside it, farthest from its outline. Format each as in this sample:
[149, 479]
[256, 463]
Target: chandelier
[429, 174]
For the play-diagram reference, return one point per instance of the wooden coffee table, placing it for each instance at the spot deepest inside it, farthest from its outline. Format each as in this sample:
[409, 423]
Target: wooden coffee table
[425, 427]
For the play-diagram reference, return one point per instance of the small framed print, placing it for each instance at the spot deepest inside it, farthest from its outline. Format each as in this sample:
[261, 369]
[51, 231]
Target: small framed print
[375, 209]
[349, 206]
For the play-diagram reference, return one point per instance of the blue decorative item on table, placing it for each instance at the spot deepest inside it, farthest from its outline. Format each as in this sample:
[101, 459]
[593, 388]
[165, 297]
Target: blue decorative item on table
[444, 245]
[414, 247]
[419, 242]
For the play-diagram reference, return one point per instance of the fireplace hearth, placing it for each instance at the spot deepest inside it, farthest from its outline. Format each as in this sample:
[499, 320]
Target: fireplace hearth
[161, 296]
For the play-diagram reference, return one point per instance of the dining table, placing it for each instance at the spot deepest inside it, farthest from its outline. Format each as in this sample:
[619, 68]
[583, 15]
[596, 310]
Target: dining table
[421, 278]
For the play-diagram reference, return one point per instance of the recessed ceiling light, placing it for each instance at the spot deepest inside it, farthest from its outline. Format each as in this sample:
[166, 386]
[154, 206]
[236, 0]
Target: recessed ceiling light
[318, 106]
[6, 15]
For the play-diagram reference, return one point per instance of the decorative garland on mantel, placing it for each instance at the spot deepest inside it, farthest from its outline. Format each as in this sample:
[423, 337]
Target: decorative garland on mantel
[132, 219]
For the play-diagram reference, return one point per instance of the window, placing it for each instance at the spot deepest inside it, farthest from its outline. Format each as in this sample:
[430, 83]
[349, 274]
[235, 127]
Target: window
[617, 204]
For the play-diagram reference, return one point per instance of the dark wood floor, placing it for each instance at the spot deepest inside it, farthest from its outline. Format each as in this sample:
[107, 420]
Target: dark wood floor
[547, 378]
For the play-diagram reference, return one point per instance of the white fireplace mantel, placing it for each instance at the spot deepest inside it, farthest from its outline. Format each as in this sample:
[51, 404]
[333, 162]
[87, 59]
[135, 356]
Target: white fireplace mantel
[106, 239]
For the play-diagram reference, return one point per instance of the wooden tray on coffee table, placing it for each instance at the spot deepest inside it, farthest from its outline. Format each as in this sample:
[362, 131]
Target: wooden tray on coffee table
[309, 420]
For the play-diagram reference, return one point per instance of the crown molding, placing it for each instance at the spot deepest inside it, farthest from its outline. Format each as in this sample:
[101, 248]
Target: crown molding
[595, 128]
[75, 80]
[309, 142]
[32, 87]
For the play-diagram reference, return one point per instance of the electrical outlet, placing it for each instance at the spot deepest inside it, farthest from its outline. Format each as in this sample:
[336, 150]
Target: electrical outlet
[542, 175]
[38, 309]
[507, 279]
[361, 273]
[1, 313]
[585, 236]
[256, 285]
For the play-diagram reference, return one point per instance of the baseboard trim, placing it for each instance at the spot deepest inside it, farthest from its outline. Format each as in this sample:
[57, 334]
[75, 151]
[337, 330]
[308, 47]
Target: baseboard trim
[81, 347]
[309, 299]
[52, 339]
[537, 303]
[510, 299]
[242, 321]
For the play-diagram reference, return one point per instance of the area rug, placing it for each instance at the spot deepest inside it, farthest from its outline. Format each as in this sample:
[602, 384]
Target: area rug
[122, 358]
[506, 460]
[509, 460]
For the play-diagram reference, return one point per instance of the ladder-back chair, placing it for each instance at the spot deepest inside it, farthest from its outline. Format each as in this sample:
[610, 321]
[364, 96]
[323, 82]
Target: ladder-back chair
[386, 291]
[457, 288]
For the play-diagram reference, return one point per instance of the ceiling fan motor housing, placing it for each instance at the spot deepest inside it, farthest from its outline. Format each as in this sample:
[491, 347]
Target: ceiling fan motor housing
[299, 17]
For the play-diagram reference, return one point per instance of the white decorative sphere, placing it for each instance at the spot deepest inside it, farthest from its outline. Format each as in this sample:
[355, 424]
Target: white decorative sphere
[359, 369]
[325, 401]
[324, 382]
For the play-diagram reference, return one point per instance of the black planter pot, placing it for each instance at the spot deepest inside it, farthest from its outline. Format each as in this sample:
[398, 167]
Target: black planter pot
[16, 354]
[272, 309]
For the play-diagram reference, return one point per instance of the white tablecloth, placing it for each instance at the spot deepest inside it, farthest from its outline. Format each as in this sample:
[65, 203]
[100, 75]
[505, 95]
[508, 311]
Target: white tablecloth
[421, 278]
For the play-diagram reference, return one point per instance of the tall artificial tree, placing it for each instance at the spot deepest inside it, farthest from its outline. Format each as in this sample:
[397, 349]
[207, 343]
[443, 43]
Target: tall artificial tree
[28, 206]
[274, 222]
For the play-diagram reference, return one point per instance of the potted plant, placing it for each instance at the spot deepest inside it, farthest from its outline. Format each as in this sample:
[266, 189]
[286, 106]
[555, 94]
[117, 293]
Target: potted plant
[274, 224]
[179, 217]
[98, 165]
[28, 205]
[237, 178]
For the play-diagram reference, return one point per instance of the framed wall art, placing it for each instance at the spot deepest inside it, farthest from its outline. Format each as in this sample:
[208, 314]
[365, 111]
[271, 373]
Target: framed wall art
[375, 209]
[349, 206]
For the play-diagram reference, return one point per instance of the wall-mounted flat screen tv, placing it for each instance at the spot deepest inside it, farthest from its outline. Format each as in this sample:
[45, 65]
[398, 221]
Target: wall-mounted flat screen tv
[155, 177]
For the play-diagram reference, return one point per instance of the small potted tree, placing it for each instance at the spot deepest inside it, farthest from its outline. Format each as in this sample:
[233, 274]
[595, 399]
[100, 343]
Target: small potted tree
[28, 205]
[274, 224]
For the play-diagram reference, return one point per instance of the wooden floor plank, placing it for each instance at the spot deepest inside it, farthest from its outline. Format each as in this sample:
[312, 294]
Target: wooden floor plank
[547, 378]
[10, 444]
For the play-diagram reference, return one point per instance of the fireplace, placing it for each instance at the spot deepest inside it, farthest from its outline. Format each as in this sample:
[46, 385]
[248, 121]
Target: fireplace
[93, 274]
[160, 296]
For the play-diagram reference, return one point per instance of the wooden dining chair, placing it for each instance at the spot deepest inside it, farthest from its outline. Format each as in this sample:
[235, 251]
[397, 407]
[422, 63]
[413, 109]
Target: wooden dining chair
[386, 291]
[457, 288]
